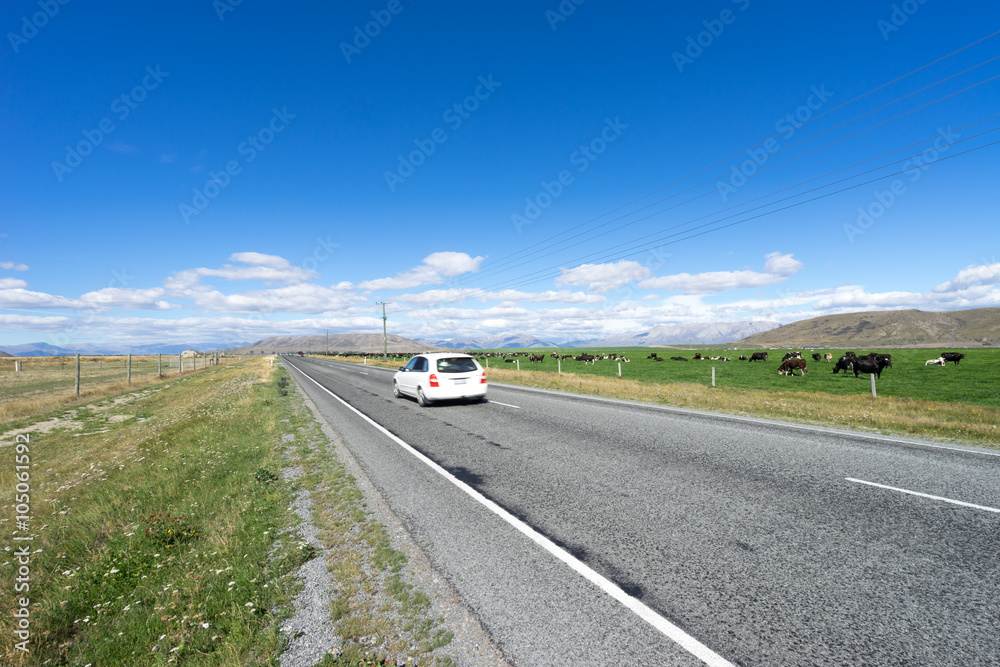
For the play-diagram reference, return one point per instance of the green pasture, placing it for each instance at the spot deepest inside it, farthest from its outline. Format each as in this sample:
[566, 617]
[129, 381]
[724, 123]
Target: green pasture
[976, 380]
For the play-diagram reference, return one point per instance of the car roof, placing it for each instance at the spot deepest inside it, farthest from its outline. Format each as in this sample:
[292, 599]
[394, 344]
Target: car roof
[444, 355]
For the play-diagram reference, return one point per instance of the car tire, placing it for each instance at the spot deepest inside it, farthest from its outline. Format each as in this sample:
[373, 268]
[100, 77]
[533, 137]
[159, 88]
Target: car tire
[395, 389]
[421, 399]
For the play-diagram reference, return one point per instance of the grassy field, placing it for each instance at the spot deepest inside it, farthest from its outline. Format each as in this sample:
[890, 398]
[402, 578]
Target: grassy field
[44, 382]
[954, 403]
[161, 530]
[975, 381]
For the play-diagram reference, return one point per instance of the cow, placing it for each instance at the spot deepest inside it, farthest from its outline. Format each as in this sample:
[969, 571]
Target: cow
[677, 359]
[758, 356]
[697, 355]
[661, 359]
[792, 355]
[817, 356]
[886, 359]
[845, 363]
[952, 356]
[789, 365]
[652, 356]
[743, 357]
[940, 361]
[828, 356]
[536, 357]
[871, 366]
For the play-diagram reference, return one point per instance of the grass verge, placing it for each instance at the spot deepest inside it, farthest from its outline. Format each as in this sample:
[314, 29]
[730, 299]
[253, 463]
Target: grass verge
[162, 532]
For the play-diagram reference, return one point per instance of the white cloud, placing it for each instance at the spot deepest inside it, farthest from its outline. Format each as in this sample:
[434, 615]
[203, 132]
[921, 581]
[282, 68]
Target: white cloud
[11, 283]
[303, 298]
[783, 265]
[22, 298]
[457, 295]
[778, 268]
[972, 276]
[435, 268]
[33, 322]
[712, 281]
[11, 266]
[127, 299]
[601, 278]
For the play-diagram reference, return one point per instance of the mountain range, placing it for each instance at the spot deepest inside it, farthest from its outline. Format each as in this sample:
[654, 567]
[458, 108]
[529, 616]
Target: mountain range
[47, 350]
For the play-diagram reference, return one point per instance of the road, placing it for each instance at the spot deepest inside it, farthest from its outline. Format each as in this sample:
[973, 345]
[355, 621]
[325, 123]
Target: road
[683, 537]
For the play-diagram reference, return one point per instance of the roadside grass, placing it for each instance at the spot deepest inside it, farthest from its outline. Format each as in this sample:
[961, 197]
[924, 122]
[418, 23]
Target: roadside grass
[763, 393]
[154, 541]
[380, 616]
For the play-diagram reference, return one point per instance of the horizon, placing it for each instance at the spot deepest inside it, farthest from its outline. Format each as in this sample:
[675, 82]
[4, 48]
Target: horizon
[232, 171]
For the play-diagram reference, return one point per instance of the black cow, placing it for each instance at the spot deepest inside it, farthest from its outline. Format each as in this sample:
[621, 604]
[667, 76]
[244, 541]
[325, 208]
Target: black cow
[845, 363]
[868, 366]
[952, 356]
[678, 359]
[792, 355]
[743, 357]
[758, 356]
[652, 356]
[817, 356]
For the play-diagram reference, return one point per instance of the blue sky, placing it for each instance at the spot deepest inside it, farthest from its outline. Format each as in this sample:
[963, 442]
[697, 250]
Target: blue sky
[218, 171]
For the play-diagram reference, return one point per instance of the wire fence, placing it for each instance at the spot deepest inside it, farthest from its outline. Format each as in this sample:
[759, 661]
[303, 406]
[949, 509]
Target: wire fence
[22, 378]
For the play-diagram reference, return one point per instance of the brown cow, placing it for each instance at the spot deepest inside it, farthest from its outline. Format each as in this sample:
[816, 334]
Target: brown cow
[789, 365]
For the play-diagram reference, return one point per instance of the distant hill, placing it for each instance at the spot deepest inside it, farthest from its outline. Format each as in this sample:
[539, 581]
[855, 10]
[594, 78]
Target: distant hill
[497, 342]
[710, 333]
[354, 342]
[888, 328]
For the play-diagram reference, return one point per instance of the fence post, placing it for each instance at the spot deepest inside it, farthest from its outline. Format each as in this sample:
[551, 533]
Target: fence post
[159, 365]
[713, 376]
[559, 365]
[78, 375]
[872, 376]
[128, 365]
[620, 369]
[180, 363]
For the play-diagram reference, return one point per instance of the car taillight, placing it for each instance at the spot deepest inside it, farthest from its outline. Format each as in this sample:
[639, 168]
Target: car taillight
[483, 381]
[434, 380]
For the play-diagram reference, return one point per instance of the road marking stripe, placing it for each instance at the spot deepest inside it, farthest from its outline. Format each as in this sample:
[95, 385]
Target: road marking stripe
[683, 639]
[924, 495]
[507, 404]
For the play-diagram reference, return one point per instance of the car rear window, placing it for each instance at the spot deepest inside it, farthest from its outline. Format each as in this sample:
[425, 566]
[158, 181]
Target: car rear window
[456, 365]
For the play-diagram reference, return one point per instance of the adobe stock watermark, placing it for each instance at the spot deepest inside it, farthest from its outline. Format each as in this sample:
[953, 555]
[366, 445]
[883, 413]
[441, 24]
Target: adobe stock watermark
[121, 107]
[581, 158]
[697, 44]
[22, 552]
[901, 13]
[758, 155]
[883, 200]
[362, 38]
[249, 148]
[223, 7]
[454, 116]
[37, 21]
[562, 12]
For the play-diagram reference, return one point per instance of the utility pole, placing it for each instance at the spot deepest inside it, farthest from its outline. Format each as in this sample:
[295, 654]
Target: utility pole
[328, 342]
[385, 344]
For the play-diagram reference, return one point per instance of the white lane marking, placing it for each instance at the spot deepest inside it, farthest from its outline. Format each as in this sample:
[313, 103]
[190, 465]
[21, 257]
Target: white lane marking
[683, 639]
[507, 404]
[361, 372]
[924, 495]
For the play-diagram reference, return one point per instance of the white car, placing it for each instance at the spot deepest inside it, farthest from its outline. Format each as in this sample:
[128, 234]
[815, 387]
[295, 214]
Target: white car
[440, 376]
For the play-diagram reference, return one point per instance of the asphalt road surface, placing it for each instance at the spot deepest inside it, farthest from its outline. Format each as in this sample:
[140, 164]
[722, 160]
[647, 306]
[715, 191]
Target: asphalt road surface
[597, 532]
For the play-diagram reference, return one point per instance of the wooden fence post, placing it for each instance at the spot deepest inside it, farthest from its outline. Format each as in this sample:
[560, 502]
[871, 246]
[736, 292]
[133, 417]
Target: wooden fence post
[180, 362]
[128, 364]
[78, 375]
[159, 365]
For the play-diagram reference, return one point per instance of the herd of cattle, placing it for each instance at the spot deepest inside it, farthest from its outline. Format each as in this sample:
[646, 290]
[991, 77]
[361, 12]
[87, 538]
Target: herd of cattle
[872, 363]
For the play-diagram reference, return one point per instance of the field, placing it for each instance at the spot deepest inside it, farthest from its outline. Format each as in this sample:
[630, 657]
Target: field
[975, 381]
[48, 381]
